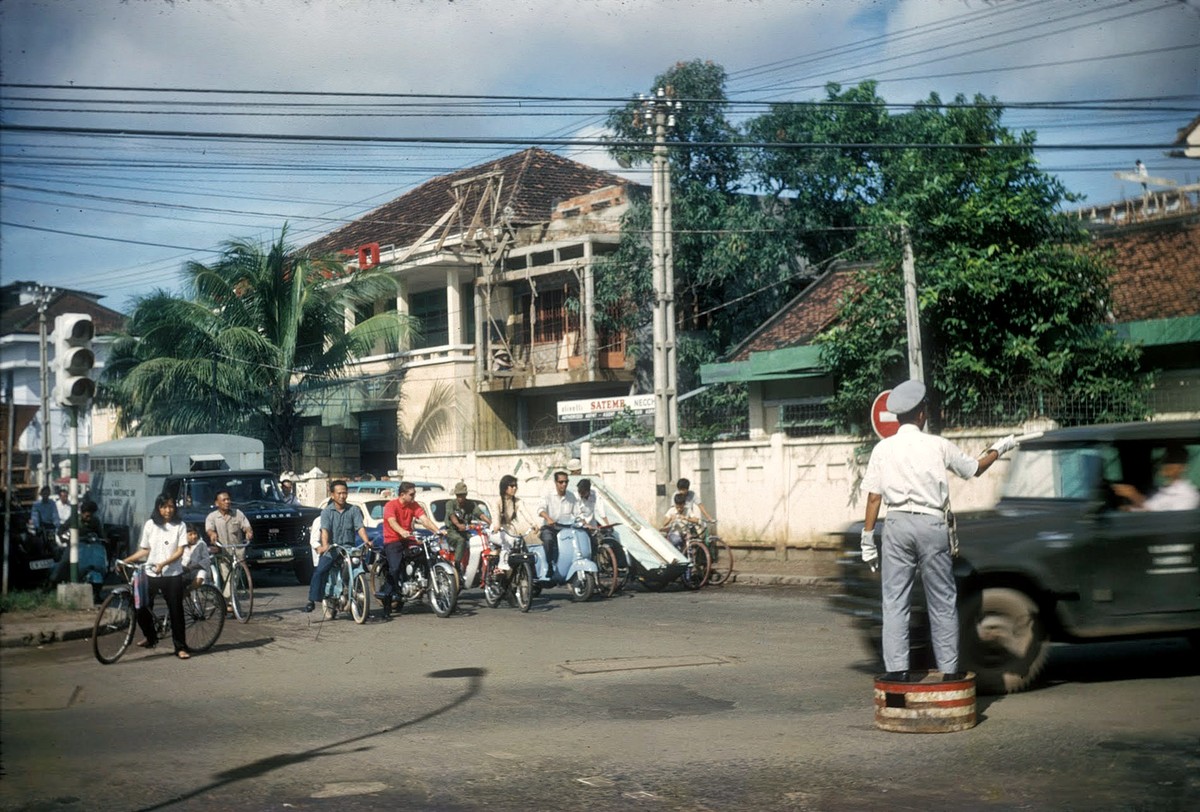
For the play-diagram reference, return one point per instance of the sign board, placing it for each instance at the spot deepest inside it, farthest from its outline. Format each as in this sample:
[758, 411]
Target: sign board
[603, 408]
[883, 421]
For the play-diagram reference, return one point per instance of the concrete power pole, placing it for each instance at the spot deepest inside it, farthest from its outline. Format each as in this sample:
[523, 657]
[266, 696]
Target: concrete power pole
[912, 313]
[659, 114]
[43, 295]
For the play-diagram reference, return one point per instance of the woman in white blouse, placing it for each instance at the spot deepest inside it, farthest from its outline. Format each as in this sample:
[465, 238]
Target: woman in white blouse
[164, 540]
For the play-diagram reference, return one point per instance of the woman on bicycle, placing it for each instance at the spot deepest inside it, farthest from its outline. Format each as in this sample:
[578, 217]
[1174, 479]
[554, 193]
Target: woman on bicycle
[163, 543]
[510, 518]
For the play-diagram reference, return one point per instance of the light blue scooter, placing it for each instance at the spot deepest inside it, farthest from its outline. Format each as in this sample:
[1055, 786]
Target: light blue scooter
[574, 566]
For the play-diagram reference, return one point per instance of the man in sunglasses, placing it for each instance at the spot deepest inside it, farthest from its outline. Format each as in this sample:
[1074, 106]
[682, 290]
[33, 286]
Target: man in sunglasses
[557, 507]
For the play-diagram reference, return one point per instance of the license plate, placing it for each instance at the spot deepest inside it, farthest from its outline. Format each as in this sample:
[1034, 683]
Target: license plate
[41, 564]
[282, 552]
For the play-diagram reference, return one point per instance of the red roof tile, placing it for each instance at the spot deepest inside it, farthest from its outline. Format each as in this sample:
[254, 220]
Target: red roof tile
[1158, 269]
[801, 319]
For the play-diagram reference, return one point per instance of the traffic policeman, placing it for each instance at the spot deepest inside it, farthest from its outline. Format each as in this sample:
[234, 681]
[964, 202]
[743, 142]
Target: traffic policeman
[907, 472]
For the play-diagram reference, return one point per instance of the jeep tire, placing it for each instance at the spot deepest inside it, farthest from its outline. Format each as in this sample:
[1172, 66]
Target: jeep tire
[1002, 639]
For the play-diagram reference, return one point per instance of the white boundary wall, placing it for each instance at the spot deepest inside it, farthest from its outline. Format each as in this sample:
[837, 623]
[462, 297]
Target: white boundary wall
[778, 494]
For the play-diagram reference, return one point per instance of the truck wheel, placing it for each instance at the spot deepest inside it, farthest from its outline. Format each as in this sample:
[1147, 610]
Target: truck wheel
[302, 565]
[1002, 639]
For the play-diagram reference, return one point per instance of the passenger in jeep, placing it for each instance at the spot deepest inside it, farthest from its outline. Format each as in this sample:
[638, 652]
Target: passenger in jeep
[1177, 492]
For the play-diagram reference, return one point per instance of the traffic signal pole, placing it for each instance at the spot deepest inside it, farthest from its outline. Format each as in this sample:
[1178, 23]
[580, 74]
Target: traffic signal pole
[73, 491]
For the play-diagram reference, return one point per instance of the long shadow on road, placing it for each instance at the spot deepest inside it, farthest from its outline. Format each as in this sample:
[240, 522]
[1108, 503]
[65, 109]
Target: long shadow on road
[262, 766]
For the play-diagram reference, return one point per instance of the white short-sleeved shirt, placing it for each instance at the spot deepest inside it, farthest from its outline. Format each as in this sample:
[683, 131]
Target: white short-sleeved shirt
[909, 469]
[1179, 495]
[591, 509]
[163, 542]
[561, 509]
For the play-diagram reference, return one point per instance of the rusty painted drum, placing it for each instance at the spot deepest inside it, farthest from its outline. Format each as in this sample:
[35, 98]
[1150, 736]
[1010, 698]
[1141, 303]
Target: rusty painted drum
[925, 706]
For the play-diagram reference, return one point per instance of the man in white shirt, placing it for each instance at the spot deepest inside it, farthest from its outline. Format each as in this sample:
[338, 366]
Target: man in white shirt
[907, 472]
[1178, 492]
[591, 508]
[557, 507]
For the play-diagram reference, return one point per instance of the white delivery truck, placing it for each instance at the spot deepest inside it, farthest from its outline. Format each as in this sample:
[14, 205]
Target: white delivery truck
[128, 474]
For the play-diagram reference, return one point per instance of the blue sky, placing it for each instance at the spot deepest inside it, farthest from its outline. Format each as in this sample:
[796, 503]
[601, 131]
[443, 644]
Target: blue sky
[120, 215]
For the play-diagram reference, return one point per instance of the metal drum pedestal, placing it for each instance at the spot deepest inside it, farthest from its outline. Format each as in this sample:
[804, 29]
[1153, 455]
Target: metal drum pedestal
[926, 705]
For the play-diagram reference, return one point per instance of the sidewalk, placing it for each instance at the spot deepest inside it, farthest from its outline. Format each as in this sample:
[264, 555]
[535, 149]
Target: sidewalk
[44, 626]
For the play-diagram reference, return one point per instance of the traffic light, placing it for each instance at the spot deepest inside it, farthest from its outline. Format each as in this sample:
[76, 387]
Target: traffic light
[73, 359]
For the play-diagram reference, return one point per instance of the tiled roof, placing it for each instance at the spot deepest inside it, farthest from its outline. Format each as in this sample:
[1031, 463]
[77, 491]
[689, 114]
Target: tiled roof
[801, 319]
[534, 180]
[1158, 269]
[24, 318]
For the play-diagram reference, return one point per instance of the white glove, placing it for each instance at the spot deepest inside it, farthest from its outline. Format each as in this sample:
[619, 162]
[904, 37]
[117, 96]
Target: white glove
[1004, 445]
[870, 553]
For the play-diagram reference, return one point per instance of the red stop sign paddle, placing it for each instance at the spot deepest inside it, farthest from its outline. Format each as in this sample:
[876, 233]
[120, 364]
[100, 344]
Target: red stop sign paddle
[883, 421]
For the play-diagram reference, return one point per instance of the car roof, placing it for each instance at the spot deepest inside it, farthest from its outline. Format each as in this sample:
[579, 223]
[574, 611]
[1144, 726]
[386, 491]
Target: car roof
[1181, 430]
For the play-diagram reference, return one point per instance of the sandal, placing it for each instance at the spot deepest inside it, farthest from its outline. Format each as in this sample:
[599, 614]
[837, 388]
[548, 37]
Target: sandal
[183, 655]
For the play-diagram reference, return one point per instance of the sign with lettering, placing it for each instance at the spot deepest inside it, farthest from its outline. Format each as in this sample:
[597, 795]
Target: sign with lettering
[603, 408]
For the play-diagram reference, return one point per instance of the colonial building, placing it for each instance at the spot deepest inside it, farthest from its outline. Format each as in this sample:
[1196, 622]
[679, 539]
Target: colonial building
[496, 263]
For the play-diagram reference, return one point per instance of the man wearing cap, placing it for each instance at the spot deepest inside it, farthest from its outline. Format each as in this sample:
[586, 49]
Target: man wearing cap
[461, 514]
[907, 472]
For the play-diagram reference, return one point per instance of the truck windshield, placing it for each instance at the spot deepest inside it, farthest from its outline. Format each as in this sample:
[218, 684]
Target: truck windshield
[241, 489]
[1055, 473]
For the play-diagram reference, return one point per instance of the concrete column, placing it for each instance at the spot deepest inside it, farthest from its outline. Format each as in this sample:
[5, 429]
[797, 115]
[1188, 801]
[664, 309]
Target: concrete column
[588, 312]
[454, 314]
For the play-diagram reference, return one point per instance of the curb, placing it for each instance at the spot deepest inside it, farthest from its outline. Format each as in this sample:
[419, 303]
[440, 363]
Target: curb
[55, 633]
[765, 579]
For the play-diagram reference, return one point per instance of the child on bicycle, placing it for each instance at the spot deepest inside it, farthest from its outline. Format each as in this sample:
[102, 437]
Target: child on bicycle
[680, 523]
[196, 559]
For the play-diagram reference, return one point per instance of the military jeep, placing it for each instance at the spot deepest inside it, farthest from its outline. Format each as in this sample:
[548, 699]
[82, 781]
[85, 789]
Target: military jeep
[1061, 557]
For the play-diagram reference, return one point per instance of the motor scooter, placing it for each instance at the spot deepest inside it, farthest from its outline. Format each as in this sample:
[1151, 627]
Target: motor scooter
[574, 565]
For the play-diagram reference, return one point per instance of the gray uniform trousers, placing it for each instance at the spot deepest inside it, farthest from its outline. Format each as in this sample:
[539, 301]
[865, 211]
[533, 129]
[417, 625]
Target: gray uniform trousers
[912, 542]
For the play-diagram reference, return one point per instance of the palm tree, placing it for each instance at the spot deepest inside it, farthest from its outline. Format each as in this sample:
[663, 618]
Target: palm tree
[263, 328]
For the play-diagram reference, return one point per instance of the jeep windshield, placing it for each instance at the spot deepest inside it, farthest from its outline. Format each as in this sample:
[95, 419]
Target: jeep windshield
[1069, 472]
[242, 489]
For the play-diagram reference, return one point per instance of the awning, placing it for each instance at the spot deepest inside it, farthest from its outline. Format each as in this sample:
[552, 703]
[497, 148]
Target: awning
[771, 365]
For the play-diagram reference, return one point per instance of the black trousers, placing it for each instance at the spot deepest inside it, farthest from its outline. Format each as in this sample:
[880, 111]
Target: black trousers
[171, 587]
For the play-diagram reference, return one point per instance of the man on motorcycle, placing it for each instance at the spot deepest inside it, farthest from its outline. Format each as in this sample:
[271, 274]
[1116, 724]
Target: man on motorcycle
[557, 507]
[461, 514]
[44, 515]
[398, 517]
[340, 524]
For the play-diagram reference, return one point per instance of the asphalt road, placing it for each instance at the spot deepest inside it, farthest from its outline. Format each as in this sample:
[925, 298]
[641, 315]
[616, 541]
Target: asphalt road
[742, 698]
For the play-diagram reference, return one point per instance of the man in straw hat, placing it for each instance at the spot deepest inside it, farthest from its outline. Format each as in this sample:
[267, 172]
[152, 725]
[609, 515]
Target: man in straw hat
[907, 472]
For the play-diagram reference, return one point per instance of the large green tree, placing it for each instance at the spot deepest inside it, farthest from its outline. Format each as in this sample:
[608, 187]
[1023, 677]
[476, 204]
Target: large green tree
[1010, 299]
[734, 264]
[259, 333]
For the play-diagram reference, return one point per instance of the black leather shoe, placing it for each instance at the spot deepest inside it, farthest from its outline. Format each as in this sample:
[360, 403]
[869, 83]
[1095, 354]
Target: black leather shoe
[897, 676]
[308, 607]
[954, 676]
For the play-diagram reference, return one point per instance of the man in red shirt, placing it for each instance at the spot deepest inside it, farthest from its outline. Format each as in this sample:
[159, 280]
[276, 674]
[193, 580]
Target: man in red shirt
[398, 516]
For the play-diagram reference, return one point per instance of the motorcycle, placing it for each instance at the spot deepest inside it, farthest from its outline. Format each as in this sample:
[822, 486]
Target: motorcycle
[573, 566]
[430, 574]
[507, 574]
[92, 565]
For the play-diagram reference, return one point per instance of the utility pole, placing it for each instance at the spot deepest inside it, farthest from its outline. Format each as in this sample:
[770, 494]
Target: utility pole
[658, 114]
[43, 295]
[912, 313]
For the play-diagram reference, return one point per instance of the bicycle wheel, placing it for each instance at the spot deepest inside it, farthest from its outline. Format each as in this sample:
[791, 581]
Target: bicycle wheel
[203, 617]
[699, 563]
[443, 589]
[494, 584]
[722, 561]
[113, 630]
[607, 580]
[360, 598]
[522, 586]
[241, 591]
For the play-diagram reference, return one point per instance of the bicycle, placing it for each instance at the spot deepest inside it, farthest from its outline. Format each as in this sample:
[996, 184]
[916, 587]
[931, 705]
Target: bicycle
[116, 620]
[613, 571]
[695, 573]
[719, 552]
[241, 585]
[348, 585]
